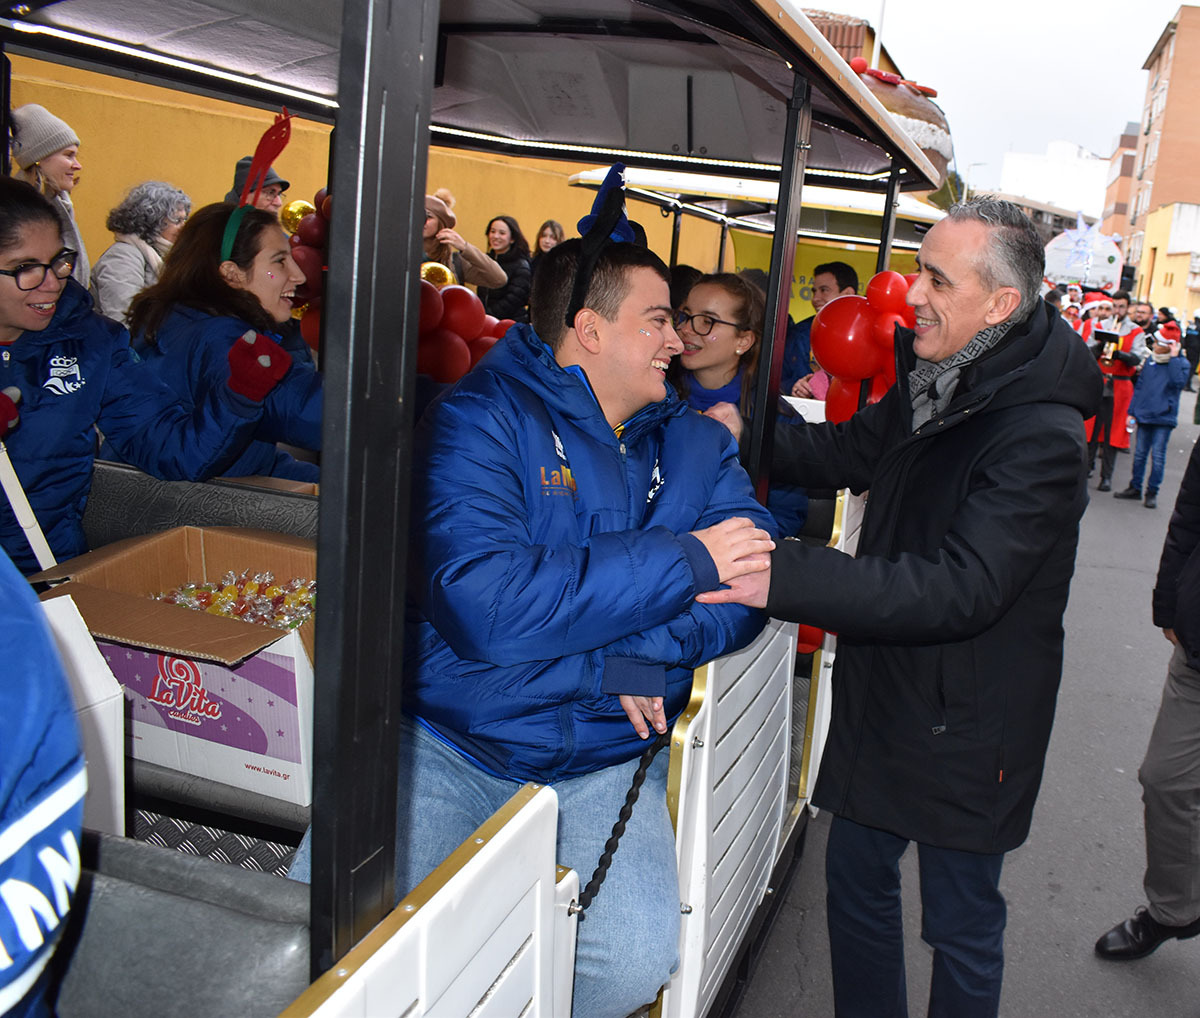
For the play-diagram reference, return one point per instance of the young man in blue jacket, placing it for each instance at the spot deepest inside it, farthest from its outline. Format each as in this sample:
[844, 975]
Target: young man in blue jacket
[568, 508]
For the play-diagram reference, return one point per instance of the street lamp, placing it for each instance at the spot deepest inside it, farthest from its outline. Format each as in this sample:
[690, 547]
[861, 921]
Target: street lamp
[967, 179]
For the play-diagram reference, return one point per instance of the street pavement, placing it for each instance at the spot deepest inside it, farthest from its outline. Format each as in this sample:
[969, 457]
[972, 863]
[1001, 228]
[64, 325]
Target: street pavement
[1080, 871]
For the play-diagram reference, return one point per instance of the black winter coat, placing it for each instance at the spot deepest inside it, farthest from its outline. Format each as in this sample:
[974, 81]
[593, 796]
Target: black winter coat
[950, 617]
[1176, 598]
[509, 300]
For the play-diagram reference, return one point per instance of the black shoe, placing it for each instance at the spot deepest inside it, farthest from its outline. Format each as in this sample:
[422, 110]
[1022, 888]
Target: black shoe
[1104, 485]
[1131, 493]
[1137, 937]
[1151, 500]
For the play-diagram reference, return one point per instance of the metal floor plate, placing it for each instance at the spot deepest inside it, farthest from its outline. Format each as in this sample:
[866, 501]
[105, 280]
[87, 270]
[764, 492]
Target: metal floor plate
[212, 843]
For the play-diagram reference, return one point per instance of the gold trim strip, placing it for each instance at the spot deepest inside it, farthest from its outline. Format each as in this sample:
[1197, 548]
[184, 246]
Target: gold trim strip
[345, 968]
[681, 736]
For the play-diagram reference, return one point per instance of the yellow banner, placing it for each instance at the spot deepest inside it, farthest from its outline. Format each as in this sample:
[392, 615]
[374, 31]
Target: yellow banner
[753, 251]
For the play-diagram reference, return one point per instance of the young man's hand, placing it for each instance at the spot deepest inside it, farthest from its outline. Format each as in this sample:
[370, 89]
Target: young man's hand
[750, 589]
[737, 546]
[728, 415]
[643, 709]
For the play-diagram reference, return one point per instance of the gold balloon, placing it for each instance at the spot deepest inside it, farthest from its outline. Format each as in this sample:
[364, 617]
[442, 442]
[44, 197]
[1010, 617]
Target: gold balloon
[437, 274]
[291, 214]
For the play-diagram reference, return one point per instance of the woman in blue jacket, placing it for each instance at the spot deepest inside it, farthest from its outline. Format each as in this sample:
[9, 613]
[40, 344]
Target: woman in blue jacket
[218, 283]
[721, 324]
[65, 372]
[1155, 407]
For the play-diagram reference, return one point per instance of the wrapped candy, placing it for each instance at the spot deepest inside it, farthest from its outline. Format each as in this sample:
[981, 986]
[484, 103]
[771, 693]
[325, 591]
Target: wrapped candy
[255, 598]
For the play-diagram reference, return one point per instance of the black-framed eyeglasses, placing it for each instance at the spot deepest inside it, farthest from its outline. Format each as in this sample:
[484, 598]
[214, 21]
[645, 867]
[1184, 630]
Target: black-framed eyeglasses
[700, 324]
[30, 276]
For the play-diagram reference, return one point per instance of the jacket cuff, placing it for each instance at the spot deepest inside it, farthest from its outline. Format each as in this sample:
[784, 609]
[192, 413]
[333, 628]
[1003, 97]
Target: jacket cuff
[704, 569]
[627, 676]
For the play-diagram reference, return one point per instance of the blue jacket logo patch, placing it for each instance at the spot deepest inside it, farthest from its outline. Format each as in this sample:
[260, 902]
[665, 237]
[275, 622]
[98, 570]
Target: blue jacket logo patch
[64, 376]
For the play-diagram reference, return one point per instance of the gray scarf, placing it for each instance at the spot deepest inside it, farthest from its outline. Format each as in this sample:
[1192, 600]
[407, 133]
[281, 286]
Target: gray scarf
[931, 384]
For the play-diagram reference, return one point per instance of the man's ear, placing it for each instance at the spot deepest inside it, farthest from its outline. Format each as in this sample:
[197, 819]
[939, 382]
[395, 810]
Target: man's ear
[587, 329]
[232, 274]
[1004, 303]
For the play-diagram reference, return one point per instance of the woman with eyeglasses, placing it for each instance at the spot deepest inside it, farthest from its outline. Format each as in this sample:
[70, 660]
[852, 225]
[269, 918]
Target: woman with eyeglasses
[144, 226]
[66, 371]
[721, 324]
[230, 272]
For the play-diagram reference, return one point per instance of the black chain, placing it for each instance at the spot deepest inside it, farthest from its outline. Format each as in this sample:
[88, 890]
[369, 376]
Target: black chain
[610, 846]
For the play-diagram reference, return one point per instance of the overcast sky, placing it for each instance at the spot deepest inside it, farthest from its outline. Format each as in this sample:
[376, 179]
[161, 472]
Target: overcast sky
[1013, 76]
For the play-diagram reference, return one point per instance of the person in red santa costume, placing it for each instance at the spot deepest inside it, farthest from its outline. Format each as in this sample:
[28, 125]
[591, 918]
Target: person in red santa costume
[1120, 348]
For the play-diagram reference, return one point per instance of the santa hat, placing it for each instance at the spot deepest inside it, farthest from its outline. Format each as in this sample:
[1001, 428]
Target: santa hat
[1168, 332]
[1094, 300]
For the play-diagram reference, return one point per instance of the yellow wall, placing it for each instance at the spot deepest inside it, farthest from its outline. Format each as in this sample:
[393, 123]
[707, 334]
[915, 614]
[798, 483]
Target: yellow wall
[130, 132]
[1162, 278]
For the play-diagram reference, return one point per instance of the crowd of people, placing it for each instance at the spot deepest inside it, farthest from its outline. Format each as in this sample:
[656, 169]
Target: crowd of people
[588, 535]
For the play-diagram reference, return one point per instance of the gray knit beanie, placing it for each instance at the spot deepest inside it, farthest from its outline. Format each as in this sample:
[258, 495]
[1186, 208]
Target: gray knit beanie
[38, 133]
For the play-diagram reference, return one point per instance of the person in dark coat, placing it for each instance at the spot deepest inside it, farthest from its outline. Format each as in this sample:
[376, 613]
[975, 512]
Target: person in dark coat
[507, 244]
[950, 616]
[1170, 774]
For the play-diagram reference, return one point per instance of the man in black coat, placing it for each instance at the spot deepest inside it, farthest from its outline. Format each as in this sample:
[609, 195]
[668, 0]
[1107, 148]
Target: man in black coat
[950, 616]
[1170, 774]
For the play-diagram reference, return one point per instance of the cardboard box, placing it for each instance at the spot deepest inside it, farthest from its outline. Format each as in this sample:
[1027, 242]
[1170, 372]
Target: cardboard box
[99, 707]
[216, 697]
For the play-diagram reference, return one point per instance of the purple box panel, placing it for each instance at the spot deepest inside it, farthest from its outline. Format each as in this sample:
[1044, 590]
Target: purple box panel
[251, 706]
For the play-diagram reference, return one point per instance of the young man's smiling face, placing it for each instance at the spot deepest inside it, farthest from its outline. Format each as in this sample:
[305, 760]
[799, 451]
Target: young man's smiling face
[629, 369]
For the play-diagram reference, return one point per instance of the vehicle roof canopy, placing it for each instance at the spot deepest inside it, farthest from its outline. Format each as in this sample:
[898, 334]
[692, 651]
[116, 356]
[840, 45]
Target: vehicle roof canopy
[693, 85]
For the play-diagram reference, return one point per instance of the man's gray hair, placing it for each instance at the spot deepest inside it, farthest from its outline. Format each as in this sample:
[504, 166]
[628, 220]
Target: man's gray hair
[145, 209]
[1016, 255]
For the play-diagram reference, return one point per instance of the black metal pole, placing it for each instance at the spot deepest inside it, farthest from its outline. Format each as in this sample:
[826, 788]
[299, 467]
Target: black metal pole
[783, 260]
[721, 249]
[889, 218]
[675, 225]
[370, 332]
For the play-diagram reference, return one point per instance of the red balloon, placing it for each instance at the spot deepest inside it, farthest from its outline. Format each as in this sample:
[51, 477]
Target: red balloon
[463, 311]
[841, 338]
[443, 355]
[879, 387]
[884, 330]
[911, 278]
[481, 345]
[858, 64]
[313, 230]
[326, 206]
[841, 401]
[311, 262]
[310, 326]
[910, 317]
[431, 307]
[319, 198]
[809, 639]
[294, 239]
[885, 291]
[502, 327]
[489, 325]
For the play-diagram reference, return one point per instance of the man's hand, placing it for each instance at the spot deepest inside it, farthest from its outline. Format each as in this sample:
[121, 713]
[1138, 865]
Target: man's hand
[803, 388]
[737, 546]
[750, 589]
[728, 415]
[640, 709]
[1170, 635]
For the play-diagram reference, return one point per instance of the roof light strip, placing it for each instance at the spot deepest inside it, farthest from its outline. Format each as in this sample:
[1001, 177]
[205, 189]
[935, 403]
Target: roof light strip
[93, 42]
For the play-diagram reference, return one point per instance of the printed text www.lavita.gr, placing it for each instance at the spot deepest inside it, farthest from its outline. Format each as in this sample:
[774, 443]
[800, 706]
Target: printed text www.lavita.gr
[267, 770]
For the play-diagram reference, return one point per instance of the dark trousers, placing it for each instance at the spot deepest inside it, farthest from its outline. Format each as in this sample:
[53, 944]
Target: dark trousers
[962, 919]
[1102, 436]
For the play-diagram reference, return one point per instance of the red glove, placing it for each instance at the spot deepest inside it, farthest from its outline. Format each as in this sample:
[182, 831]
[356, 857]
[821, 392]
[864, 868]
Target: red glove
[256, 364]
[9, 417]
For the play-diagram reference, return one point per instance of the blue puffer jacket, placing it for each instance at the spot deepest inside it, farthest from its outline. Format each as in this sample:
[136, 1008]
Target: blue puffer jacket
[1156, 392]
[549, 571]
[191, 353]
[42, 782]
[79, 374]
